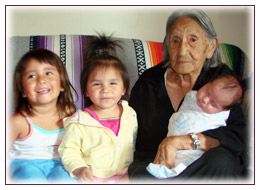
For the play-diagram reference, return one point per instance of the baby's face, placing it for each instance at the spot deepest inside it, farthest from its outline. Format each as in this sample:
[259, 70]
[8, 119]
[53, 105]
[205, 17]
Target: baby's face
[212, 98]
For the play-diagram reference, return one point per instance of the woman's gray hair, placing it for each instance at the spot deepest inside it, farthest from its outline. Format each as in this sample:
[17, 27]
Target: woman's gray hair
[205, 23]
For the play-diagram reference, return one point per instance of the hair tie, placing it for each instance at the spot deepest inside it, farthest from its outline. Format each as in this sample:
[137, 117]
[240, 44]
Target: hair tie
[102, 52]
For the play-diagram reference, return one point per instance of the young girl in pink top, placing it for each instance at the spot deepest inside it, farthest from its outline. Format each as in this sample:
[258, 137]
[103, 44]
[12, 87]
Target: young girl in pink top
[99, 141]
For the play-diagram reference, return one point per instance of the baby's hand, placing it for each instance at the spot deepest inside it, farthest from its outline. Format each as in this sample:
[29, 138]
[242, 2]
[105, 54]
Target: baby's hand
[83, 174]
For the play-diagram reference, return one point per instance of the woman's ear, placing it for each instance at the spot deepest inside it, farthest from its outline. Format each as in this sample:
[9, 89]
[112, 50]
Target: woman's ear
[211, 48]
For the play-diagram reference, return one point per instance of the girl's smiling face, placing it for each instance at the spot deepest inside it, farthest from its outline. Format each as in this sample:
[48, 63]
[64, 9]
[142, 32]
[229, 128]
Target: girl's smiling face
[41, 83]
[105, 87]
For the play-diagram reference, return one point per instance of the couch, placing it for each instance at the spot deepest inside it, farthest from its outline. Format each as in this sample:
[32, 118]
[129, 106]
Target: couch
[137, 55]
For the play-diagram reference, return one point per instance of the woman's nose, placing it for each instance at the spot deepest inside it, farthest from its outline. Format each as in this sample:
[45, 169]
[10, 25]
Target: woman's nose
[183, 48]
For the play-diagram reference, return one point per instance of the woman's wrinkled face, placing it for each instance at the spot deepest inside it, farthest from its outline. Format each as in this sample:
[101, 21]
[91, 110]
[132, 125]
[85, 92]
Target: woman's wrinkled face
[188, 46]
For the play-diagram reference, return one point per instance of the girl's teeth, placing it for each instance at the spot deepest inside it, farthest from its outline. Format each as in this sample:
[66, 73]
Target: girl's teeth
[42, 90]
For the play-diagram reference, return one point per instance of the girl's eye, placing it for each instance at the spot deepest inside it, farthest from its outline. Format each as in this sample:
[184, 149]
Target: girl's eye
[113, 83]
[96, 84]
[49, 73]
[31, 76]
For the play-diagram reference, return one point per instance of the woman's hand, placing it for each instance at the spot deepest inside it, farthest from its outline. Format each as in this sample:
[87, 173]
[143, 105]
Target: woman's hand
[166, 152]
[84, 174]
[167, 149]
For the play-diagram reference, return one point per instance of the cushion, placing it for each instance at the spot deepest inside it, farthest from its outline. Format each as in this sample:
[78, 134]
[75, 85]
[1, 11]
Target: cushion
[137, 55]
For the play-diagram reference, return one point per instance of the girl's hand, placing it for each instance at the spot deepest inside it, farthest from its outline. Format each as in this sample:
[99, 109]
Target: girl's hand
[83, 174]
[166, 152]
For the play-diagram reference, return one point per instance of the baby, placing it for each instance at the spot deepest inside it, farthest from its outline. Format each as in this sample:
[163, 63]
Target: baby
[205, 109]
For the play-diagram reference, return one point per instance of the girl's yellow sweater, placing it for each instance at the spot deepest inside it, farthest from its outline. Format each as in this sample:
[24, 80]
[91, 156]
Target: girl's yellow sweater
[89, 144]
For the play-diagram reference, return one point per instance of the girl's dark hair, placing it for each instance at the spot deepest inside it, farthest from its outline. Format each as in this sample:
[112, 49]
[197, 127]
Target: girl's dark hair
[65, 103]
[100, 53]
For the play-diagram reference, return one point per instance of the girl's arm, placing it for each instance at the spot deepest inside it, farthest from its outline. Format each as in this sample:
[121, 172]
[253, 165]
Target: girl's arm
[17, 129]
[70, 149]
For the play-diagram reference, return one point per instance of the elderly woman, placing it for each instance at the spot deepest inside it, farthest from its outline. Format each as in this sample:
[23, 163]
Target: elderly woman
[191, 55]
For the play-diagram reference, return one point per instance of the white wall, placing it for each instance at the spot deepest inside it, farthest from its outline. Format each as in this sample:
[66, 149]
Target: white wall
[233, 24]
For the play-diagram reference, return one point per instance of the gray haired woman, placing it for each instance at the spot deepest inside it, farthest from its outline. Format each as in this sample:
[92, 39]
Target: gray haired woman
[191, 59]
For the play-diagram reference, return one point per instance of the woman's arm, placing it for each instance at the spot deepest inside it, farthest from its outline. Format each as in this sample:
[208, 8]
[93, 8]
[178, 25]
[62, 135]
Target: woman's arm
[233, 137]
[169, 146]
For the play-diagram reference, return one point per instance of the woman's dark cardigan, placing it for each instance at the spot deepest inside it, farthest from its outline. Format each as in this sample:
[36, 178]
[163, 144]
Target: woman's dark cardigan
[150, 100]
